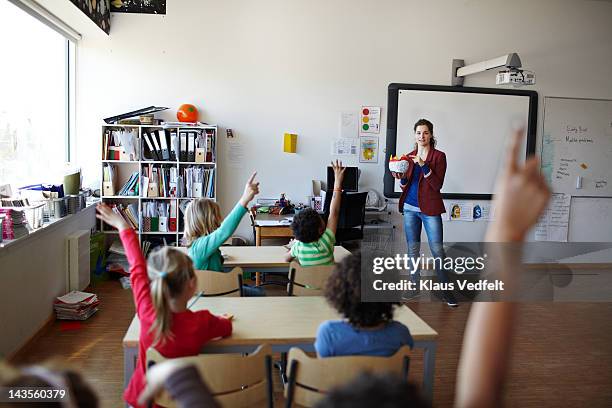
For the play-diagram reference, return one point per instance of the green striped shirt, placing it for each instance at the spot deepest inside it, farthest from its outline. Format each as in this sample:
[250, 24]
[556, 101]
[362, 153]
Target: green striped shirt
[320, 252]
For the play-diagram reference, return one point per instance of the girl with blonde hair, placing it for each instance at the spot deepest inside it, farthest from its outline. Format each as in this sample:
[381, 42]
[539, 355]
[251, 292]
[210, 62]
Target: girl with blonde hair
[206, 230]
[161, 291]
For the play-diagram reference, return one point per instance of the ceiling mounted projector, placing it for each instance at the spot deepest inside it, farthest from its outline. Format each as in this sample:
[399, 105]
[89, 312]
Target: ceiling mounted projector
[512, 74]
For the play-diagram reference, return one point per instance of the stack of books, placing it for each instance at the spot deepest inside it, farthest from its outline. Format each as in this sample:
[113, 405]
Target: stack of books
[116, 261]
[128, 212]
[130, 188]
[14, 223]
[76, 306]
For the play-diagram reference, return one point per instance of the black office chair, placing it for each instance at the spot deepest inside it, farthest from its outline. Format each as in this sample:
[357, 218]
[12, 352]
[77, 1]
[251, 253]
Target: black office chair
[352, 215]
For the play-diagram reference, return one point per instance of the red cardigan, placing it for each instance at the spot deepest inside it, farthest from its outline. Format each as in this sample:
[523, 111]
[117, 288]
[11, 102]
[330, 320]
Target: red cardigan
[430, 198]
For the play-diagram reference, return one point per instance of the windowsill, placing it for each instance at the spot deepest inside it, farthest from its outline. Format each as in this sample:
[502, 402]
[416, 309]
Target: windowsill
[46, 228]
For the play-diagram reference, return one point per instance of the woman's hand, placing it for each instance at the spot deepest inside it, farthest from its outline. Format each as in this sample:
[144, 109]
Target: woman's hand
[398, 176]
[338, 173]
[106, 214]
[251, 189]
[417, 160]
[522, 195]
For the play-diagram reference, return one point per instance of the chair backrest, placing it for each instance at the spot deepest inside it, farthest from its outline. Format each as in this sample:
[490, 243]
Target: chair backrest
[213, 283]
[352, 209]
[234, 380]
[307, 280]
[310, 378]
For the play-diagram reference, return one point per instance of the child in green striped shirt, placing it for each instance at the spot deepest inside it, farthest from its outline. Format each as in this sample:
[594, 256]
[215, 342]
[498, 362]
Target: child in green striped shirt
[314, 242]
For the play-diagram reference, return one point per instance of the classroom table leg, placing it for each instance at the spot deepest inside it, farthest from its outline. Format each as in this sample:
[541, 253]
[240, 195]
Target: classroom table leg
[257, 236]
[429, 355]
[257, 243]
[130, 355]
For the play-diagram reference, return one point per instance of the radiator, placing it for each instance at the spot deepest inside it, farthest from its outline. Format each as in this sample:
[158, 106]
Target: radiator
[77, 277]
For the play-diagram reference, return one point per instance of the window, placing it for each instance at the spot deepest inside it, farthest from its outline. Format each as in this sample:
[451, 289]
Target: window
[34, 101]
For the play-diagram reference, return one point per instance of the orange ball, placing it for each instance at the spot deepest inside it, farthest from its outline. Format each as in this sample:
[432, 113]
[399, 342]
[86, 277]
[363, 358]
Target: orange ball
[187, 113]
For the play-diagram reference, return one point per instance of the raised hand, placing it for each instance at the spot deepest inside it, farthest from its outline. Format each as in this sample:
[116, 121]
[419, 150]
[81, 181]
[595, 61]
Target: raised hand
[338, 173]
[106, 214]
[251, 189]
[521, 196]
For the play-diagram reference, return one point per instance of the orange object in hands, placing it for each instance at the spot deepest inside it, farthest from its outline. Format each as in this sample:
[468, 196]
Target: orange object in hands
[187, 113]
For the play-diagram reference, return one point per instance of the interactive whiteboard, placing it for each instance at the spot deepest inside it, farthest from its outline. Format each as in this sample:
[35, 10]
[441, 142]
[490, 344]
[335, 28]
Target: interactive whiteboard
[472, 127]
[577, 146]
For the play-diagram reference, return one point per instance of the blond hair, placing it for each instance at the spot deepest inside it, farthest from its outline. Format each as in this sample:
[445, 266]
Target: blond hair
[202, 217]
[169, 271]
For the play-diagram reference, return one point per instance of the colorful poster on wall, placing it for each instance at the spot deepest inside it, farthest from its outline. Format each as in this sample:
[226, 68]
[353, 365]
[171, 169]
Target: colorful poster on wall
[460, 211]
[368, 150]
[97, 11]
[344, 147]
[370, 120]
[139, 6]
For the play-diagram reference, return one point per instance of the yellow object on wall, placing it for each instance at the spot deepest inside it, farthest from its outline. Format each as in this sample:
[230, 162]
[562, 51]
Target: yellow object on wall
[290, 143]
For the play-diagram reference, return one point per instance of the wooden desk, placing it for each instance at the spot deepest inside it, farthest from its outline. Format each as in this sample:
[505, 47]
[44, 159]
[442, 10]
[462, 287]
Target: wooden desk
[270, 226]
[292, 322]
[263, 259]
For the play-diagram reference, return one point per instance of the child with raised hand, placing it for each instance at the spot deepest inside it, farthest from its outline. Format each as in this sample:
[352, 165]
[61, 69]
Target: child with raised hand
[206, 230]
[521, 197]
[314, 242]
[367, 328]
[161, 291]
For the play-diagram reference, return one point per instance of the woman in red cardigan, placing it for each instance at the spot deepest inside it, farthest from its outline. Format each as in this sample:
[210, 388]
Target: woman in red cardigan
[421, 199]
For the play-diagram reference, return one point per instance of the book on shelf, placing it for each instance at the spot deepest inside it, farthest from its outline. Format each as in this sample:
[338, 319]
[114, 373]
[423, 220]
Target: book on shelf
[120, 144]
[159, 181]
[128, 212]
[159, 216]
[130, 188]
[14, 223]
[197, 182]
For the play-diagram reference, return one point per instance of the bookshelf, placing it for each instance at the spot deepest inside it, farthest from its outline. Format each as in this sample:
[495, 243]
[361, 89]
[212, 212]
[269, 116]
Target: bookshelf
[152, 186]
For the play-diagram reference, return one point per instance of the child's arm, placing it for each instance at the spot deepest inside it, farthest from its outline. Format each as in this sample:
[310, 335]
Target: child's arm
[334, 208]
[138, 265]
[215, 326]
[203, 247]
[485, 357]
[289, 257]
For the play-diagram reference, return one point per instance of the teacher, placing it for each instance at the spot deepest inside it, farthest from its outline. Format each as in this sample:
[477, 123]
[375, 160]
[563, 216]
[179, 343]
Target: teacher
[421, 200]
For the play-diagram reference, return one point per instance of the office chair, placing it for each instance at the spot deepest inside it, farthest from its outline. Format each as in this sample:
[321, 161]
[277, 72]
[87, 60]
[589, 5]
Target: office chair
[352, 215]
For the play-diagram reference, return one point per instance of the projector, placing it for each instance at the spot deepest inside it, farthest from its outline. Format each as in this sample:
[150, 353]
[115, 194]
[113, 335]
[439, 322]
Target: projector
[515, 77]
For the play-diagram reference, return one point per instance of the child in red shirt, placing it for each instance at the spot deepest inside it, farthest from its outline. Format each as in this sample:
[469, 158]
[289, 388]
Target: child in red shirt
[161, 303]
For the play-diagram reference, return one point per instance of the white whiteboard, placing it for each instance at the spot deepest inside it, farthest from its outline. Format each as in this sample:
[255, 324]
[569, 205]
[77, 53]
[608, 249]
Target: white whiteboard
[577, 146]
[471, 128]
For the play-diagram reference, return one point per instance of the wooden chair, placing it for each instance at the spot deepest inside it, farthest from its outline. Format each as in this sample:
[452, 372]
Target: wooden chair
[234, 380]
[213, 283]
[310, 378]
[309, 280]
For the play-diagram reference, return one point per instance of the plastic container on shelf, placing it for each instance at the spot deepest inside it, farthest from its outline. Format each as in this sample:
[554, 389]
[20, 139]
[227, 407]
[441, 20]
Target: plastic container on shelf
[35, 215]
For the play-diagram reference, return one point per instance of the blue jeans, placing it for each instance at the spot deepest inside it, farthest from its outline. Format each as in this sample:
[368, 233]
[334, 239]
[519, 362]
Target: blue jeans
[251, 291]
[413, 222]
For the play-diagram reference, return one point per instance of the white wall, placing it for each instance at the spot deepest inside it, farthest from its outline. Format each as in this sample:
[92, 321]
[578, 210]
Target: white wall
[263, 68]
